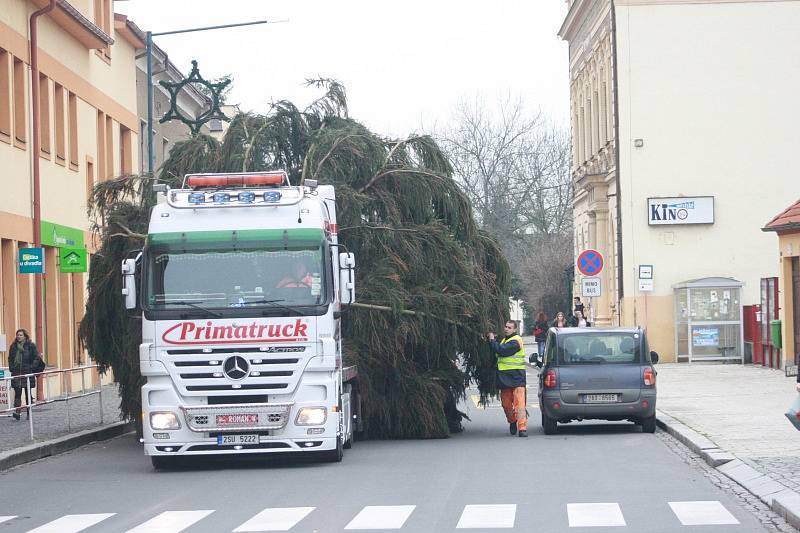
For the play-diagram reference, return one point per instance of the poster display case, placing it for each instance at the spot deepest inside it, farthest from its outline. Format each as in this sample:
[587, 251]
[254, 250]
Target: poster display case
[708, 320]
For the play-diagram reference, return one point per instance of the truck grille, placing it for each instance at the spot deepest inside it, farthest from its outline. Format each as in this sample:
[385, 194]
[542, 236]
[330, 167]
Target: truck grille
[208, 418]
[199, 372]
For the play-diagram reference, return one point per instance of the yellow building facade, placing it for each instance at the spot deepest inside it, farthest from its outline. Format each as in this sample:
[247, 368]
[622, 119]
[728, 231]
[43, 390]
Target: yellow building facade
[89, 132]
[683, 142]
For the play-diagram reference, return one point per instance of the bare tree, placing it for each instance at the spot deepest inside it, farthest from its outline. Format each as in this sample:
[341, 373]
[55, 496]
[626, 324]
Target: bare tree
[515, 168]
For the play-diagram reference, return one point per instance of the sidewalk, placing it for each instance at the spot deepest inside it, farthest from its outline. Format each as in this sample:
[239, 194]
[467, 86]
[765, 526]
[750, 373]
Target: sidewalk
[740, 410]
[59, 427]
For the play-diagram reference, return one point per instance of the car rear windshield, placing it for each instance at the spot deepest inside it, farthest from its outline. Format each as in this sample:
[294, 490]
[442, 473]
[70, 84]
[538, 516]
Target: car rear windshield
[599, 348]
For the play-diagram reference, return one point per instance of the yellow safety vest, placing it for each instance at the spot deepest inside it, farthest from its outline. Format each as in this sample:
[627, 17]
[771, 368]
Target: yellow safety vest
[515, 361]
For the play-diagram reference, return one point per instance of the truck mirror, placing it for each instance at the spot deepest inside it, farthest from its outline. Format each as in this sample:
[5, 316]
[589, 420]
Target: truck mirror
[347, 278]
[129, 283]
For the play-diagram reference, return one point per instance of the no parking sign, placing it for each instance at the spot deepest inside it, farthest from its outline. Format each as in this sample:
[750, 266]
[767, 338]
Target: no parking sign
[590, 262]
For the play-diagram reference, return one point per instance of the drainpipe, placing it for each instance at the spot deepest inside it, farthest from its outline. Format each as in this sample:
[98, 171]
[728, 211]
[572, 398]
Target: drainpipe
[37, 145]
[615, 85]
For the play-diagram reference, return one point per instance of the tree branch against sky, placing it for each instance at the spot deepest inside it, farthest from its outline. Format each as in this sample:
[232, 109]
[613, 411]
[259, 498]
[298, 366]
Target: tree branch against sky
[514, 166]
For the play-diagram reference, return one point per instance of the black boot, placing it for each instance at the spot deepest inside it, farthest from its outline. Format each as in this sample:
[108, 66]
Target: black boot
[15, 415]
[523, 433]
[512, 427]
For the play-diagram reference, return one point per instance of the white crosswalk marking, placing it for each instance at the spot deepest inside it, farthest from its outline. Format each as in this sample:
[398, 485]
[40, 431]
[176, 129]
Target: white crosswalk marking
[381, 517]
[170, 522]
[275, 519]
[702, 513]
[6, 518]
[71, 523]
[487, 516]
[594, 515]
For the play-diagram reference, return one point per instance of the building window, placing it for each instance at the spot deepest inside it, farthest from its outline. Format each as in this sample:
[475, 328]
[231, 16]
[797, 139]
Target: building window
[109, 148]
[44, 115]
[101, 145]
[164, 149]
[125, 150]
[596, 123]
[72, 124]
[603, 115]
[89, 179]
[58, 122]
[102, 18]
[5, 96]
[20, 133]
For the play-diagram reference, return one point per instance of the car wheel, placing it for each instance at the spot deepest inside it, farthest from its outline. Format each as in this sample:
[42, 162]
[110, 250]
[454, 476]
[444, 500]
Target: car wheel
[349, 444]
[550, 425]
[649, 424]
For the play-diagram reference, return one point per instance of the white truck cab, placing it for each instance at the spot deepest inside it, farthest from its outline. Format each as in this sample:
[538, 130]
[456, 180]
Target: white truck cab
[241, 285]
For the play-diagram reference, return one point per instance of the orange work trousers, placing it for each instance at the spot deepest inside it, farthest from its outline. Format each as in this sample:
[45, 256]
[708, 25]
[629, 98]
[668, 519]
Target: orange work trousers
[513, 401]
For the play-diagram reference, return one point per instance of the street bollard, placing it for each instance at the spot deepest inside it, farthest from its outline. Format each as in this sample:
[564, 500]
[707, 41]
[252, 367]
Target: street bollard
[28, 404]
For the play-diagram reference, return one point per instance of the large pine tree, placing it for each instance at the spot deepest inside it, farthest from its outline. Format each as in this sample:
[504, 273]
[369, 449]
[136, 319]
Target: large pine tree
[429, 282]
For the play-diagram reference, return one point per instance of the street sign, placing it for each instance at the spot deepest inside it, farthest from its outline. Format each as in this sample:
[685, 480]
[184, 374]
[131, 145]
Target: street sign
[590, 287]
[31, 260]
[590, 262]
[72, 259]
[645, 271]
[646, 284]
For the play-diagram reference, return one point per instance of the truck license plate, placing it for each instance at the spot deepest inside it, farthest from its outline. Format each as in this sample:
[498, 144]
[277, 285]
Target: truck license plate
[227, 440]
[237, 420]
[600, 398]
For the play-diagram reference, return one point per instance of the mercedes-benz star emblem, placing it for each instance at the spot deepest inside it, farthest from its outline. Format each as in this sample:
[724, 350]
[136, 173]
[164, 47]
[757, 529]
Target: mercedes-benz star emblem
[236, 367]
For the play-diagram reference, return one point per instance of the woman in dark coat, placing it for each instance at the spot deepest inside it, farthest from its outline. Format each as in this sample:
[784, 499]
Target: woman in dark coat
[23, 358]
[540, 328]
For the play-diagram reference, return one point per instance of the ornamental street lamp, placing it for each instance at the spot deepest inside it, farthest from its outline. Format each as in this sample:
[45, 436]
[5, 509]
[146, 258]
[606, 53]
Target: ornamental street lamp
[194, 77]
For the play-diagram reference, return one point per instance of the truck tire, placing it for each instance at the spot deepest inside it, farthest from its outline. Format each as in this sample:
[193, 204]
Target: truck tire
[161, 462]
[648, 424]
[335, 455]
[549, 425]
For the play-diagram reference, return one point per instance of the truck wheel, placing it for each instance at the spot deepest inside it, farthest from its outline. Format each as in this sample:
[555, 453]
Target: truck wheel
[348, 443]
[161, 462]
[335, 455]
[550, 425]
[649, 424]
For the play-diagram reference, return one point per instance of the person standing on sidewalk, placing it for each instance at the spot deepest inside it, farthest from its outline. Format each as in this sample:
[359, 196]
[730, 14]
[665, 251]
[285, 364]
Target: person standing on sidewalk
[23, 358]
[511, 379]
[560, 321]
[540, 328]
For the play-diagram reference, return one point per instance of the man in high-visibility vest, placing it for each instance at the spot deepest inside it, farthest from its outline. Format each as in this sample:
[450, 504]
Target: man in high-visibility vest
[510, 352]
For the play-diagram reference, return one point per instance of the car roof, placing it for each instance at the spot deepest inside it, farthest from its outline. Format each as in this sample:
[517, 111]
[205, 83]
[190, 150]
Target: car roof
[586, 331]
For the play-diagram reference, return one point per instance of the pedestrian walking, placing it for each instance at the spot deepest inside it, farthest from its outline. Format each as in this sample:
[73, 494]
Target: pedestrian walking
[560, 321]
[23, 358]
[578, 306]
[580, 320]
[540, 328]
[510, 352]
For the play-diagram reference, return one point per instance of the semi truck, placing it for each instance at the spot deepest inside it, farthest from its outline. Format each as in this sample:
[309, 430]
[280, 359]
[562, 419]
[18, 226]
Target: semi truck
[241, 285]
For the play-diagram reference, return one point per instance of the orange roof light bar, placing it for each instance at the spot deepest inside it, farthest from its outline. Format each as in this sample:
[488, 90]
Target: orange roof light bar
[254, 179]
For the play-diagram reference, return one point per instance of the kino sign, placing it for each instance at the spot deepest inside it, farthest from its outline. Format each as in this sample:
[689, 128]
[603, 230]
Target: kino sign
[682, 210]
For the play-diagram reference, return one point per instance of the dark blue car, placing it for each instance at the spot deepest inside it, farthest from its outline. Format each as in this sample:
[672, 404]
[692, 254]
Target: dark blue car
[598, 373]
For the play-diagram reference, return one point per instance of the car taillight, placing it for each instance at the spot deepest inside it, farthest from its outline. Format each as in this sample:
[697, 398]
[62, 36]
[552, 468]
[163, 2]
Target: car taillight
[550, 380]
[649, 377]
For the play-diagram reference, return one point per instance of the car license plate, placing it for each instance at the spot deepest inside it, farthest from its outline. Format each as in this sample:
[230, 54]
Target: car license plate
[227, 440]
[600, 398]
[237, 420]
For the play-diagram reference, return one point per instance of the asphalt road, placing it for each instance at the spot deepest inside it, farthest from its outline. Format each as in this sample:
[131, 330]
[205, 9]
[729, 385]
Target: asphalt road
[595, 477]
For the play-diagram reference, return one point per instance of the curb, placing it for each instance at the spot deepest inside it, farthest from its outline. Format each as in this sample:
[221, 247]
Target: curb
[40, 450]
[784, 501]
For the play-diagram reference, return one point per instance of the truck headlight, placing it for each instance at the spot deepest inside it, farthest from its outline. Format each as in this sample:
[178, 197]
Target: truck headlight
[311, 416]
[164, 420]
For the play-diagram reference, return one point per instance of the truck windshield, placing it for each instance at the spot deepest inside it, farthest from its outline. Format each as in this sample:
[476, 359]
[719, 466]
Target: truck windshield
[217, 277]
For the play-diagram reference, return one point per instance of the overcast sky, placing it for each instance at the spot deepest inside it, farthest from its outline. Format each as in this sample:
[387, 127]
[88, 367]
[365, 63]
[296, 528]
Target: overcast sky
[405, 64]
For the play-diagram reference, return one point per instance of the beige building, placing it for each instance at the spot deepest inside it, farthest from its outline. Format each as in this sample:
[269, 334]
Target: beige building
[89, 130]
[684, 130]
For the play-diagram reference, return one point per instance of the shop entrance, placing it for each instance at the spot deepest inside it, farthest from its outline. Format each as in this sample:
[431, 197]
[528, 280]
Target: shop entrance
[769, 312]
[796, 301]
